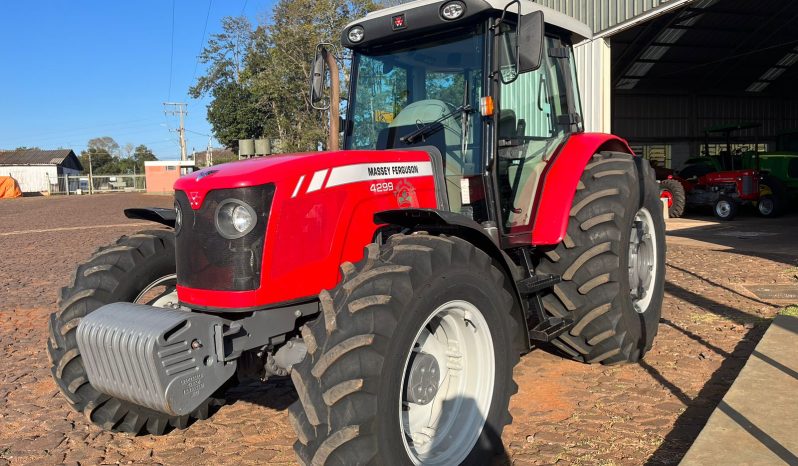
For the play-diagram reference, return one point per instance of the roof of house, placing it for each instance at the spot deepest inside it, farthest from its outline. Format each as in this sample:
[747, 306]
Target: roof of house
[63, 157]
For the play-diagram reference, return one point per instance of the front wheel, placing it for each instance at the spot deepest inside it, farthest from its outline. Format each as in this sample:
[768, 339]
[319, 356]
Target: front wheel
[725, 208]
[139, 268]
[411, 360]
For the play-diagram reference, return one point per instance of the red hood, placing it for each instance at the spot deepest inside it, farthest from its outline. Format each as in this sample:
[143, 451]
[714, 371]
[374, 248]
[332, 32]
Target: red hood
[277, 168]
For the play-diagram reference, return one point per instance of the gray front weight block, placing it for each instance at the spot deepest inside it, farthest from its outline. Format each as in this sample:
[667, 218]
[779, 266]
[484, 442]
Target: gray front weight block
[163, 359]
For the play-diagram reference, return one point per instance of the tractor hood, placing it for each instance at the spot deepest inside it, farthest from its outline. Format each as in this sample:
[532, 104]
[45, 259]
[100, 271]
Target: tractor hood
[304, 172]
[313, 210]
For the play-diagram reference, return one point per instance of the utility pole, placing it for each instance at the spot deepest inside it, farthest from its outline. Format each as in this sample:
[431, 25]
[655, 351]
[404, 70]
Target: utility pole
[209, 154]
[91, 180]
[179, 109]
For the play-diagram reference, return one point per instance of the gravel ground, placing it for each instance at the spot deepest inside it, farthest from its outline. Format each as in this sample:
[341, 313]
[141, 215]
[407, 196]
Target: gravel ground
[565, 412]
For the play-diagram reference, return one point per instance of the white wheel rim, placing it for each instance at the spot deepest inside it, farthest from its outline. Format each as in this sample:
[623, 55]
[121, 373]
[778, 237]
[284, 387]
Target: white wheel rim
[766, 206]
[642, 260]
[723, 208]
[444, 430]
[165, 300]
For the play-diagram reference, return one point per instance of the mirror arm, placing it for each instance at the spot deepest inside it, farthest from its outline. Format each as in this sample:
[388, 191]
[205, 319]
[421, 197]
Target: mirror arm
[335, 101]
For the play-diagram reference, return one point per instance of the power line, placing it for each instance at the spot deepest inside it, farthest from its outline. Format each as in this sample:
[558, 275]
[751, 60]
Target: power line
[202, 44]
[172, 52]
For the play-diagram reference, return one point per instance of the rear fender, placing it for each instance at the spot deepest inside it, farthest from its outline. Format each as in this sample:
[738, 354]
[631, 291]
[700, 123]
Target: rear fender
[153, 214]
[559, 180]
[440, 221]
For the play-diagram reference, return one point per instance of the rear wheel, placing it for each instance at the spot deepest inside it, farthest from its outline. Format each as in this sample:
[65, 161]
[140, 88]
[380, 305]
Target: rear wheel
[772, 197]
[673, 191]
[139, 268]
[411, 360]
[612, 263]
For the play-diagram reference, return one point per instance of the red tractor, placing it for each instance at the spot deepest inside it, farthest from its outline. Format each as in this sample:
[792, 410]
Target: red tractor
[396, 281]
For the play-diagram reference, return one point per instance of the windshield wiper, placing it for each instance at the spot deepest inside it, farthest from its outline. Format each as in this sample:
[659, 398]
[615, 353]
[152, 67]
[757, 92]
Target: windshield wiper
[434, 126]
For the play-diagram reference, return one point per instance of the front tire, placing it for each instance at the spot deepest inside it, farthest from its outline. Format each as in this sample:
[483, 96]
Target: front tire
[612, 263]
[138, 267]
[725, 209]
[439, 295]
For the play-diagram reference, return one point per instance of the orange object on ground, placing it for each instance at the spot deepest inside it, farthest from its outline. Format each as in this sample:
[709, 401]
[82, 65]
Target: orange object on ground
[9, 188]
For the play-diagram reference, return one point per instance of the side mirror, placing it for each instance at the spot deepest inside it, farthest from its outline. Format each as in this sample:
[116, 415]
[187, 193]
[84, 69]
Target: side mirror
[530, 41]
[318, 81]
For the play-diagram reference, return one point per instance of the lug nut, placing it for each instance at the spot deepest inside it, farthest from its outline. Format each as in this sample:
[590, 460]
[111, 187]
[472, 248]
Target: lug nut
[196, 344]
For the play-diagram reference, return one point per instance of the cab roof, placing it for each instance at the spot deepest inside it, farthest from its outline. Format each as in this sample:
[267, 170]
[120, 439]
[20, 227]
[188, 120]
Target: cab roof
[580, 31]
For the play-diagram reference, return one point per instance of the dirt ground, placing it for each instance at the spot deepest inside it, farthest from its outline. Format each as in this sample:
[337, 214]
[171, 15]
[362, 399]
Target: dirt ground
[565, 412]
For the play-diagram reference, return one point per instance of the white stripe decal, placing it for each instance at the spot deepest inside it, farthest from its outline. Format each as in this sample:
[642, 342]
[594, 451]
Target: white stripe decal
[298, 185]
[377, 171]
[317, 180]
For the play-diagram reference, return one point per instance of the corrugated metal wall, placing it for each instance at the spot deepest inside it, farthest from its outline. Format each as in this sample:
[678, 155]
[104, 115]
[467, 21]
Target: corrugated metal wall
[663, 117]
[603, 14]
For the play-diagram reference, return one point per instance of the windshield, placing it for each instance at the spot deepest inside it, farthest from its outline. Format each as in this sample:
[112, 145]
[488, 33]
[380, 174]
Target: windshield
[429, 90]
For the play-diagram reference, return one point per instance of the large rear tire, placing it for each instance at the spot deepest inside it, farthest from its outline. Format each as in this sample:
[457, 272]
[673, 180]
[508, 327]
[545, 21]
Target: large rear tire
[673, 191]
[139, 266]
[440, 296]
[612, 263]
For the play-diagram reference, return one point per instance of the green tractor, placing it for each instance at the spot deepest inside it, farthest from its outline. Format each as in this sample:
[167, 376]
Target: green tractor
[782, 166]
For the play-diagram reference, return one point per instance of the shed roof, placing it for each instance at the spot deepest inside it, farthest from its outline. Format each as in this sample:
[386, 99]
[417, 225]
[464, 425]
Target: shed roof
[59, 157]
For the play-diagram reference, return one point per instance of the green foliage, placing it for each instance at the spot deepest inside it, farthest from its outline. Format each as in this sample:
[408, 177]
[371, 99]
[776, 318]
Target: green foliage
[264, 92]
[107, 159]
[790, 311]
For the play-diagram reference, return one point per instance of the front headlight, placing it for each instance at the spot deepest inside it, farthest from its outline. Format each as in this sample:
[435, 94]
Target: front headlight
[178, 218]
[234, 218]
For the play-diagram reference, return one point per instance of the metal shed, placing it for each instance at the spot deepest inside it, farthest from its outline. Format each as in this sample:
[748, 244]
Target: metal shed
[658, 72]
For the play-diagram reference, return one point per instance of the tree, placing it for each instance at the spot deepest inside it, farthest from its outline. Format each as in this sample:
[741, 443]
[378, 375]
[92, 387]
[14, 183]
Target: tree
[105, 143]
[106, 159]
[263, 92]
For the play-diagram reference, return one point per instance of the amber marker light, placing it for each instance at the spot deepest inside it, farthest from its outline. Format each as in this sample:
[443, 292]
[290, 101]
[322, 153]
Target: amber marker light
[486, 106]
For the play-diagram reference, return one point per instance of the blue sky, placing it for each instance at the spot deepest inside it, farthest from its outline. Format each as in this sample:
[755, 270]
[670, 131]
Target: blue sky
[75, 70]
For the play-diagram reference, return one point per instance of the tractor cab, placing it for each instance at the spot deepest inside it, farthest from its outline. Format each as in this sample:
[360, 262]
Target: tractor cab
[487, 88]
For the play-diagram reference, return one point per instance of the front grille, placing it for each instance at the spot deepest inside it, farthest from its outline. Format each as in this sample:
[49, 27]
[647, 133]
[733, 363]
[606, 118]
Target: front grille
[208, 261]
[749, 185]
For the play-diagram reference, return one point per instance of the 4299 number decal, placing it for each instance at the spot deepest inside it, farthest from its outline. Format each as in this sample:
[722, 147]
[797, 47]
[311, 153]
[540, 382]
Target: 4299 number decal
[381, 187]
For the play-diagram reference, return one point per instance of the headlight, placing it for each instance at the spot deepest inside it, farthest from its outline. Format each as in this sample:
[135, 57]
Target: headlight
[178, 218]
[235, 218]
[453, 10]
[356, 34]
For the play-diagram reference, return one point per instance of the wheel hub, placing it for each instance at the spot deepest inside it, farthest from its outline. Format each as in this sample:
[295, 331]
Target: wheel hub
[642, 259]
[423, 379]
[447, 386]
[723, 208]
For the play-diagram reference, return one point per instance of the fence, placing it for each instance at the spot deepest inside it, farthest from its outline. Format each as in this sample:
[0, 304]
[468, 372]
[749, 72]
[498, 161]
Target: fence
[78, 184]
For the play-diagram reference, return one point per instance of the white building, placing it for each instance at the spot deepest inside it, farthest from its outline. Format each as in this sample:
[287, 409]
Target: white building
[38, 170]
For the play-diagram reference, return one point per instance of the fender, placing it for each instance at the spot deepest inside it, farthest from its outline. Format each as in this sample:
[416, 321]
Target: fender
[441, 221]
[153, 214]
[559, 180]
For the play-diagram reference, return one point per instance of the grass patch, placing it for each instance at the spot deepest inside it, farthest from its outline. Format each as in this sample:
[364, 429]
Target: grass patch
[790, 311]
